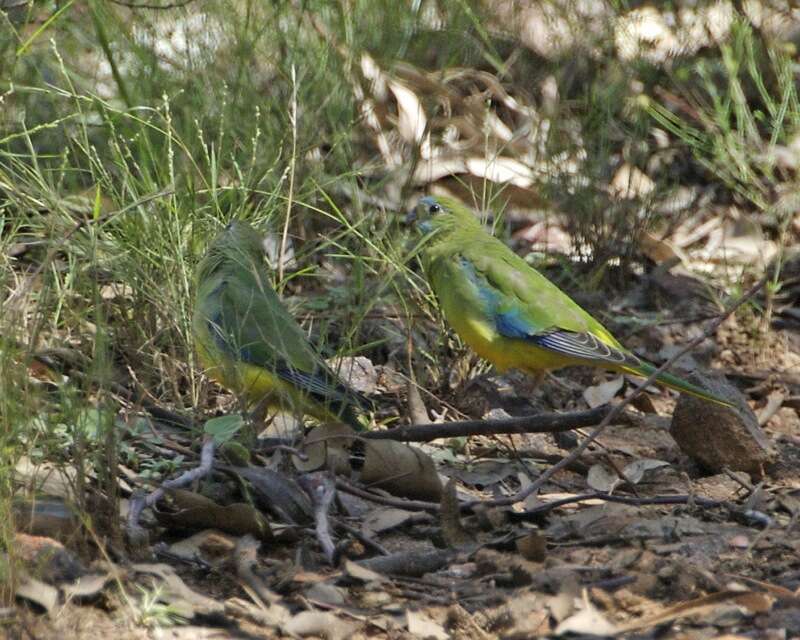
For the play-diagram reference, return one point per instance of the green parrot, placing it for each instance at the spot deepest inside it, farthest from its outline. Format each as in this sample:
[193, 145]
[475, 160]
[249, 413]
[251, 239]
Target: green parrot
[248, 342]
[508, 312]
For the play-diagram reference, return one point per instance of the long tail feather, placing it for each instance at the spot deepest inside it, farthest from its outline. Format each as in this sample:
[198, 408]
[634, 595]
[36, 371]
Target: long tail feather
[645, 370]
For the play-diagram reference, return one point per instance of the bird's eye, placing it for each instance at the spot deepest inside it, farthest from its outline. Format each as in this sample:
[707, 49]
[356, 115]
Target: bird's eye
[434, 208]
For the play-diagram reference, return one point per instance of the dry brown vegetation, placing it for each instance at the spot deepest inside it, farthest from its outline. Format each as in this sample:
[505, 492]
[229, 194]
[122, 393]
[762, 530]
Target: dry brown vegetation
[644, 157]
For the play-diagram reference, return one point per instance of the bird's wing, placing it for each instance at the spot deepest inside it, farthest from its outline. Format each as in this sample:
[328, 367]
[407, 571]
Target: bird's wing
[250, 322]
[524, 305]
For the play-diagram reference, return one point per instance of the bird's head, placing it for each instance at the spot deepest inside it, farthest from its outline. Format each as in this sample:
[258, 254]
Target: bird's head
[440, 213]
[239, 236]
[237, 243]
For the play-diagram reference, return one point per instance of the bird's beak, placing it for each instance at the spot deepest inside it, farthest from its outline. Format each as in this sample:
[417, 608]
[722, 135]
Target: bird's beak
[411, 217]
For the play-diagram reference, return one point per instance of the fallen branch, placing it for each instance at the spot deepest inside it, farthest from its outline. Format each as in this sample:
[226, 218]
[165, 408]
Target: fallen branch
[413, 564]
[528, 514]
[539, 423]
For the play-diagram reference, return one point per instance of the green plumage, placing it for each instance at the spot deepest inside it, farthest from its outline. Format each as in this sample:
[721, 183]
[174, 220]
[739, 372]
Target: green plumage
[249, 342]
[507, 311]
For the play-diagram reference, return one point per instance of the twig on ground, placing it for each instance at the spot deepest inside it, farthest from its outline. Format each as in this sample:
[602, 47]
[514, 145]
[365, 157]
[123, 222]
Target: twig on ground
[139, 501]
[617, 409]
[245, 558]
[540, 423]
[321, 488]
[639, 502]
[400, 503]
[612, 584]
[363, 538]
[287, 449]
[743, 481]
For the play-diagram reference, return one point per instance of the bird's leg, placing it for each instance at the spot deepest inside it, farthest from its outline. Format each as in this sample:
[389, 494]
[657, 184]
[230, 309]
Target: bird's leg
[563, 440]
[139, 501]
[539, 376]
[258, 419]
[259, 412]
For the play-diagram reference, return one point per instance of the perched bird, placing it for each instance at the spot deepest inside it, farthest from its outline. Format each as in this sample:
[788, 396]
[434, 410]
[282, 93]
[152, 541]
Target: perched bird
[248, 341]
[507, 311]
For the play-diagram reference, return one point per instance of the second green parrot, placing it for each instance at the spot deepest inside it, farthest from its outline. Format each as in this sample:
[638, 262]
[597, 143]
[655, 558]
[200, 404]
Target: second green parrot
[508, 312]
[248, 341]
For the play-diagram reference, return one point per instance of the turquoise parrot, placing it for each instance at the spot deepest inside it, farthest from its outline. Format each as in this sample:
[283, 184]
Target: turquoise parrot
[248, 342]
[508, 312]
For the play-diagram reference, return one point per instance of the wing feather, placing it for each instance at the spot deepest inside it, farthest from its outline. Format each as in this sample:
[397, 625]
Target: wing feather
[259, 331]
[514, 318]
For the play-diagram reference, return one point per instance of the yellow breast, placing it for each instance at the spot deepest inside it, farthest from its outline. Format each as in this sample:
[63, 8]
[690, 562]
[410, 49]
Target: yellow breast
[257, 385]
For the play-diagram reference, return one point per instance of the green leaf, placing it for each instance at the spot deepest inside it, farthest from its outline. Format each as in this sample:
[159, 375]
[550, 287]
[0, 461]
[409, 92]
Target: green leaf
[223, 428]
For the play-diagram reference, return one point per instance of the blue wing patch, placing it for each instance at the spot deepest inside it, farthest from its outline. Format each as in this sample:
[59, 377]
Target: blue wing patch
[215, 329]
[487, 293]
[511, 324]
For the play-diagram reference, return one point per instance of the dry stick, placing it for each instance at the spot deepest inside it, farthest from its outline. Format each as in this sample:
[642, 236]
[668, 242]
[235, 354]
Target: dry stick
[635, 501]
[139, 501]
[363, 538]
[617, 409]
[539, 423]
[322, 490]
[411, 564]
[400, 503]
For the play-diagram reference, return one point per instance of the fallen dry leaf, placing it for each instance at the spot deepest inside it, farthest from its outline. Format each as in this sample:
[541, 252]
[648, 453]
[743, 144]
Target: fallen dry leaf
[421, 626]
[210, 545]
[602, 478]
[176, 593]
[385, 519]
[319, 623]
[195, 511]
[751, 602]
[602, 393]
[586, 621]
[87, 586]
[361, 573]
[38, 592]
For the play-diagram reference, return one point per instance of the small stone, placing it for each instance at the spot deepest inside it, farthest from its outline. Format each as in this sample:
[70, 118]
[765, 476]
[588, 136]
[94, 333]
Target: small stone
[719, 437]
[739, 542]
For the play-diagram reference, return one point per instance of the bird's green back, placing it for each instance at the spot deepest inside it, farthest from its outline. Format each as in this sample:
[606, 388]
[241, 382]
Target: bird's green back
[249, 341]
[234, 292]
[539, 302]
